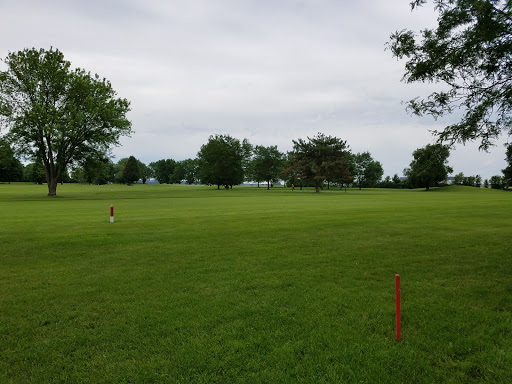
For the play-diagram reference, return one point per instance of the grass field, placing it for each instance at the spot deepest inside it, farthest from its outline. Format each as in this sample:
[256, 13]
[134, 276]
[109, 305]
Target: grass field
[199, 285]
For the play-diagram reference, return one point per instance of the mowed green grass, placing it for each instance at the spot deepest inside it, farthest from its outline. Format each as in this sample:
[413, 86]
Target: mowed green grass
[197, 285]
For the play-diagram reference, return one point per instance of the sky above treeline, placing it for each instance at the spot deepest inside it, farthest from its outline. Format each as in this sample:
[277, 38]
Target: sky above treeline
[270, 71]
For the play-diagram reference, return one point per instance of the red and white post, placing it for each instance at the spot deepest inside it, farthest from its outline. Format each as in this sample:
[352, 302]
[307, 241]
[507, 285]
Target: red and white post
[397, 294]
[111, 213]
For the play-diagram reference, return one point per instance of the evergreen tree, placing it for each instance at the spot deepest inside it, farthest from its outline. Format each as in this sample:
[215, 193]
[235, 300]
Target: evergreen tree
[131, 172]
[320, 158]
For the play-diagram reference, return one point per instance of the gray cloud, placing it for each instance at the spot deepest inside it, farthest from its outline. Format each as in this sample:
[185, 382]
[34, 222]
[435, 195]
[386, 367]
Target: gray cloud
[269, 71]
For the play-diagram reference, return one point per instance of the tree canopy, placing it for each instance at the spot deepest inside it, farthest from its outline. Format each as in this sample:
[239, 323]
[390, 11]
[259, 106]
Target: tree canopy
[223, 160]
[266, 164]
[97, 170]
[469, 52]
[131, 172]
[429, 166]
[367, 172]
[320, 158]
[186, 170]
[58, 115]
[163, 170]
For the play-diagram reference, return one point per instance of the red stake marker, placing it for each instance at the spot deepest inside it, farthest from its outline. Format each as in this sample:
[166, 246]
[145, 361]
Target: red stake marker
[397, 294]
[111, 213]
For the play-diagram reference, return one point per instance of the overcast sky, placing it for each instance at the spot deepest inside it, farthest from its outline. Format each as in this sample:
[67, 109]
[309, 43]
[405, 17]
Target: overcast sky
[267, 70]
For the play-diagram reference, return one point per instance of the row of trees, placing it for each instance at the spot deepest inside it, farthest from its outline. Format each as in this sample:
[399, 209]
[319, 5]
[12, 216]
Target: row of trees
[226, 161]
[496, 181]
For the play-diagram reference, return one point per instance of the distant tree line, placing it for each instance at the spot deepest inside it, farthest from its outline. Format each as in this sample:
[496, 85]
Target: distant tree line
[321, 162]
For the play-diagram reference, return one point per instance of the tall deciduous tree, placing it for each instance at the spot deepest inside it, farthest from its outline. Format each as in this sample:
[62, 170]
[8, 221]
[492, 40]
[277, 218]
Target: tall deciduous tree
[145, 171]
[267, 164]
[429, 167]
[186, 170]
[497, 182]
[320, 158]
[458, 179]
[223, 160]
[163, 170]
[367, 172]
[56, 114]
[470, 53]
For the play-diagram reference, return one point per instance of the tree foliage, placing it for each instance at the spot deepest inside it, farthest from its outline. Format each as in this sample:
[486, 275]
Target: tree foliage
[131, 172]
[366, 171]
[94, 170]
[186, 170]
[497, 182]
[320, 158]
[458, 179]
[429, 167]
[223, 161]
[58, 115]
[144, 171]
[507, 172]
[34, 172]
[11, 168]
[389, 182]
[163, 169]
[470, 53]
[266, 164]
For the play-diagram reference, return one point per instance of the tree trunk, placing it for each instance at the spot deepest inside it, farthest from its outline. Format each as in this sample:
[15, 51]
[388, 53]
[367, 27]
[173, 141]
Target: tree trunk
[51, 179]
[52, 187]
[268, 184]
[317, 187]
